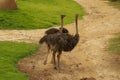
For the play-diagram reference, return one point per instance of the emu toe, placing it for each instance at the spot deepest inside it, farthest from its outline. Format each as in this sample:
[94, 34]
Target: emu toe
[45, 62]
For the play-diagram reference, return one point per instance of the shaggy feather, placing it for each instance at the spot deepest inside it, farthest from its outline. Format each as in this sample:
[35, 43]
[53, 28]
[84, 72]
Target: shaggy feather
[54, 30]
[51, 31]
[61, 41]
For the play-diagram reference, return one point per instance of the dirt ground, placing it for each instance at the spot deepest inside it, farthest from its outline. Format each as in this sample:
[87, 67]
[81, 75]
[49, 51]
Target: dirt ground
[90, 57]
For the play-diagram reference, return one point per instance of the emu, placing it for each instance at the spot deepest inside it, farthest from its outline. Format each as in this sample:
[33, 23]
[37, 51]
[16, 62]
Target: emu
[54, 31]
[59, 42]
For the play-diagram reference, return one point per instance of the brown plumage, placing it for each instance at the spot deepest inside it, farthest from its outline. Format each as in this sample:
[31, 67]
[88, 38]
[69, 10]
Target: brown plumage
[63, 41]
[54, 30]
[59, 42]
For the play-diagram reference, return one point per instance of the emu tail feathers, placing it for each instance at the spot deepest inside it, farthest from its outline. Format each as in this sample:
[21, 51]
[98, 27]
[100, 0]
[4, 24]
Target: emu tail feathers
[42, 40]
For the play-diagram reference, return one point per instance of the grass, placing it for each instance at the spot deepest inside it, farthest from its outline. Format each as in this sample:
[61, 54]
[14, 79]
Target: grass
[10, 54]
[114, 44]
[37, 14]
[116, 4]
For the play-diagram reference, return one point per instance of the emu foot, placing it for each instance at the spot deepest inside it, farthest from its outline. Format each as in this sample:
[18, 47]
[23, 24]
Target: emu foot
[45, 62]
[55, 68]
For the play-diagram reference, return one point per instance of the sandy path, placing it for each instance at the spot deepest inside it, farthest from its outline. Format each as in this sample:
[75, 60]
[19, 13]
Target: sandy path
[89, 58]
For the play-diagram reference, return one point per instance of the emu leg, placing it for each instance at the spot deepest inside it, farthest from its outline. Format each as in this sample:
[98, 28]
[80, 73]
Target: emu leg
[54, 60]
[45, 61]
[58, 57]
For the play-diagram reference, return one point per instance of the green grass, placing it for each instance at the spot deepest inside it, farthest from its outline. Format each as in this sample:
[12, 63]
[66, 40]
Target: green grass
[10, 54]
[116, 4]
[114, 44]
[37, 14]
